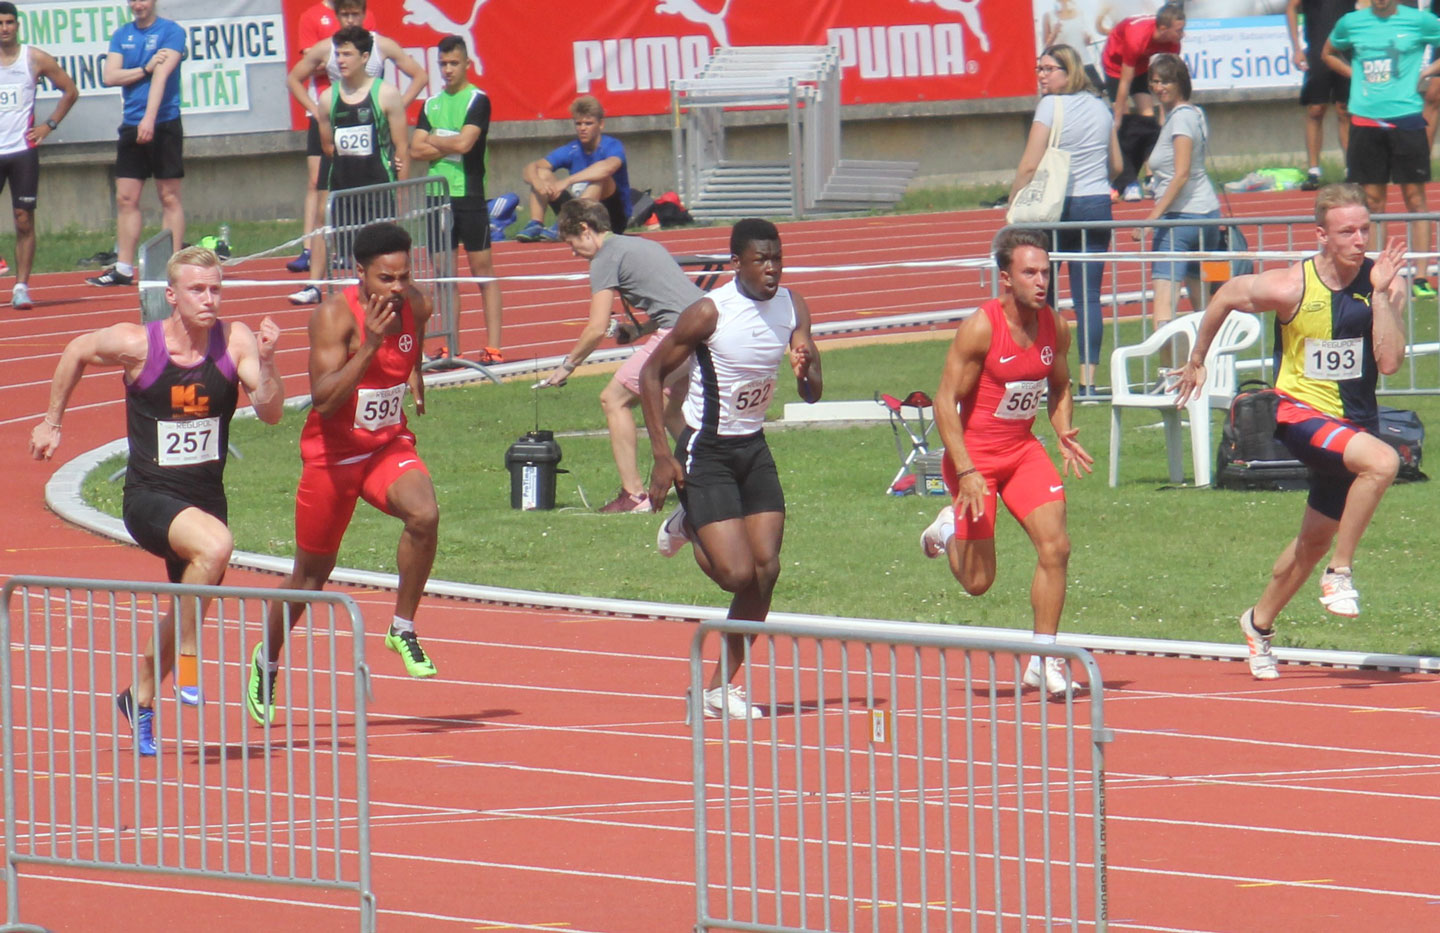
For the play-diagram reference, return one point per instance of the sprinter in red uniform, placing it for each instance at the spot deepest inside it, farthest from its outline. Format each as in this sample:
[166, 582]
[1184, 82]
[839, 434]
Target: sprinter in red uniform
[364, 354]
[1004, 360]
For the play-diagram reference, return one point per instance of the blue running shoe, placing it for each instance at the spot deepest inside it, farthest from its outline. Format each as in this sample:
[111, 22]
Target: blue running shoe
[190, 696]
[142, 718]
[533, 232]
[300, 263]
[550, 234]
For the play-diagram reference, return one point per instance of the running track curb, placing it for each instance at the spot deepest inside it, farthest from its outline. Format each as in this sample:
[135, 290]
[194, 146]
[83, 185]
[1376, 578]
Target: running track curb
[63, 496]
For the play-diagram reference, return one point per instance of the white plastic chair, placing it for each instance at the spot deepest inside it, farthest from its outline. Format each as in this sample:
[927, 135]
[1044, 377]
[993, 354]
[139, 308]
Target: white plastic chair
[1237, 333]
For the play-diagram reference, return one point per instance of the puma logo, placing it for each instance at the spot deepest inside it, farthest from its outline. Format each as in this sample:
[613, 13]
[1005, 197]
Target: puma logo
[424, 13]
[969, 11]
[695, 13]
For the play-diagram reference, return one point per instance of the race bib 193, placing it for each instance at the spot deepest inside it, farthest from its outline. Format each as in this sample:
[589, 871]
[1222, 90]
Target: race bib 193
[1021, 399]
[379, 408]
[1334, 360]
[355, 141]
[10, 98]
[181, 443]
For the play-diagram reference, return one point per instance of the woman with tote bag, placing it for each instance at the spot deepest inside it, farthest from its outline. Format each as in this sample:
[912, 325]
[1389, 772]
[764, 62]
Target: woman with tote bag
[1086, 134]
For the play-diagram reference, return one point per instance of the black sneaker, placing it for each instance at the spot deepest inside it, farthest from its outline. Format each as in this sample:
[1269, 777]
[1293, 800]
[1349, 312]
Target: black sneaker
[1311, 182]
[110, 277]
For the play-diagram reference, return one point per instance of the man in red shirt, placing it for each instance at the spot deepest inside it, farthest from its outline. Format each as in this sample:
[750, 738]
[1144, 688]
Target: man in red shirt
[1126, 63]
[1003, 361]
[364, 354]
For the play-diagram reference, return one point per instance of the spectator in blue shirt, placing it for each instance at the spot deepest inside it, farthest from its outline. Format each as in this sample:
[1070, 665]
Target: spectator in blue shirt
[144, 60]
[596, 169]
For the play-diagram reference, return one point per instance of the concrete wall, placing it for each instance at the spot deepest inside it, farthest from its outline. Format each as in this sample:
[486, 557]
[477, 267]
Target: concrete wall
[261, 176]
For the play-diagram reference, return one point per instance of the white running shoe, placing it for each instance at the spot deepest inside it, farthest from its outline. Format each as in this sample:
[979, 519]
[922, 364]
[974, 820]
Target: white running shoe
[20, 297]
[1338, 595]
[309, 295]
[730, 701]
[930, 541]
[672, 537]
[1263, 665]
[1057, 684]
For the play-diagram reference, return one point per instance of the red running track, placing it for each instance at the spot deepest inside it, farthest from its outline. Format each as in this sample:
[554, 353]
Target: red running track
[542, 782]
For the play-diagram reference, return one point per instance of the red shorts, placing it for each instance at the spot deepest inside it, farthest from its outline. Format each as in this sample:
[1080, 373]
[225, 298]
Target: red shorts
[1021, 474]
[325, 499]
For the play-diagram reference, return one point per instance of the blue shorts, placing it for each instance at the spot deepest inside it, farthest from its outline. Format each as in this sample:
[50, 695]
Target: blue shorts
[1182, 240]
[1319, 440]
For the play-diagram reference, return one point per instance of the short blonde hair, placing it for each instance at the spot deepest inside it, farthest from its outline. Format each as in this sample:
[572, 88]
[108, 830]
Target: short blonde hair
[200, 256]
[1340, 194]
[587, 105]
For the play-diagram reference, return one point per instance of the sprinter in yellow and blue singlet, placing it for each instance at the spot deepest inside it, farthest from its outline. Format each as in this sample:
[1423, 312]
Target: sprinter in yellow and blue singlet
[1339, 324]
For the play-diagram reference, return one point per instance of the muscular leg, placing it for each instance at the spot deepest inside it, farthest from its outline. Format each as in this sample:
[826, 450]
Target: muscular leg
[1046, 528]
[1342, 127]
[1375, 203]
[973, 563]
[1420, 230]
[310, 572]
[411, 498]
[172, 211]
[1314, 132]
[617, 402]
[481, 264]
[24, 244]
[538, 203]
[128, 220]
[1374, 464]
[1294, 565]
[314, 202]
[205, 544]
[742, 555]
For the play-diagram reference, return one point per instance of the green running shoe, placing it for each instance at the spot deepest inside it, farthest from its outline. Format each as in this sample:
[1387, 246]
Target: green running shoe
[260, 697]
[408, 647]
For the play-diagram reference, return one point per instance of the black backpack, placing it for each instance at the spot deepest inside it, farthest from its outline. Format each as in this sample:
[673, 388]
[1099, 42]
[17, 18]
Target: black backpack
[1249, 456]
[1404, 431]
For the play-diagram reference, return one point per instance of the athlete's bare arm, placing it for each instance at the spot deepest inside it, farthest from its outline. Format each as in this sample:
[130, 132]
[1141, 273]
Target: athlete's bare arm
[1387, 328]
[322, 120]
[1278, 291]
[429, 147]
[804, 355]
[1332, 58]
[340, 352]
[602, 304]
[1061, 404]
[309, 65]
[420, 309]
[406, 65]
[963, 365]
[394, 107]
[695, 325]
[45, 66]
[123, 345]
[254, 356]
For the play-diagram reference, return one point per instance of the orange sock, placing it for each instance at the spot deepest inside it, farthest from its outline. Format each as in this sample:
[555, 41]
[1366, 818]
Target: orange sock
[187, 671]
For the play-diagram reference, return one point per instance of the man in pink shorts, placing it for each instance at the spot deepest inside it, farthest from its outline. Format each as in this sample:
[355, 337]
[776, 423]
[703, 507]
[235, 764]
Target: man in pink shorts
[643, 275]
[1004, 360]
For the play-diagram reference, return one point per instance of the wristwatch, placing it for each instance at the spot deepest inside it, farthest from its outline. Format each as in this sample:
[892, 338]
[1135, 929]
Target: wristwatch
[52, 124]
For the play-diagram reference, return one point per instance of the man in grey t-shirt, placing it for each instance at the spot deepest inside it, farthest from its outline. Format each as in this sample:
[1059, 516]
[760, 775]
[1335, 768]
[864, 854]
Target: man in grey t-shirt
[644, 275]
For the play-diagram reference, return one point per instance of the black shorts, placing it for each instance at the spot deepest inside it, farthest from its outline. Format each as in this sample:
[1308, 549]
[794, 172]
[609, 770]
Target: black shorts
[1140, 84]
[162, 157]
[469, 223]
[312, 139]
[727, 477]
[1379, 156]
[148, 514]
[22, 171]
[614, 204]
[1322, 85]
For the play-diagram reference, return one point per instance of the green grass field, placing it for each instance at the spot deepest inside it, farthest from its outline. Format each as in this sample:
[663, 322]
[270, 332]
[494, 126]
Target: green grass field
[1148, 561]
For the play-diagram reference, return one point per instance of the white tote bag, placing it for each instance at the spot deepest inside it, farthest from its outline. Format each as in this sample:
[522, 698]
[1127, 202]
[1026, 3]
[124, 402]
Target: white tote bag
[1043, 199]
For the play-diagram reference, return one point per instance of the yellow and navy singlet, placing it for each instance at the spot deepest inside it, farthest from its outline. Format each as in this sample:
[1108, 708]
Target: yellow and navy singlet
[1324, 356]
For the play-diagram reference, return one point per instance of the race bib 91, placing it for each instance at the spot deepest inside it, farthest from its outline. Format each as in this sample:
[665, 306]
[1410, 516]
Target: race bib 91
[379, 408]
[1334, 360]
[10, 98]
[181, 443]
[1021, 400]
[357, 141]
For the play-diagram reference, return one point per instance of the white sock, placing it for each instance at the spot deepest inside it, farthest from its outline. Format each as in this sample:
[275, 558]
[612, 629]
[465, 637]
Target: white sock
[124, 268]
[399, 625]
[1314, 170]
[947, 531]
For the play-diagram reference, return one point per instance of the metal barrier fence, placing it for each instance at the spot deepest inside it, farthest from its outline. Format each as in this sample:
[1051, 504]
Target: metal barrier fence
[900, 780]
[223, 799]
[422, 207]
[154, 255]
[1127, 284]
